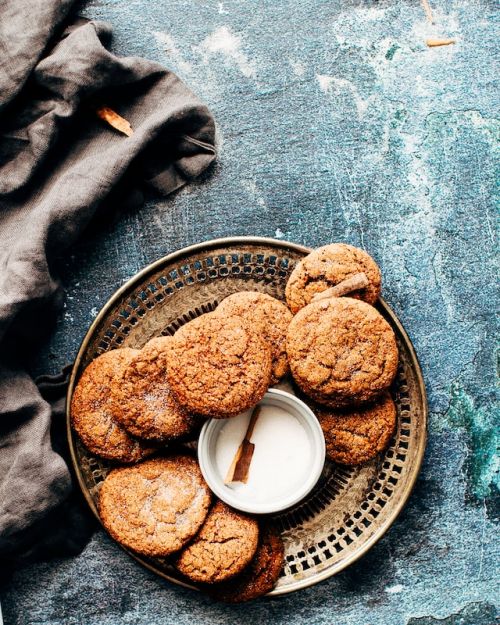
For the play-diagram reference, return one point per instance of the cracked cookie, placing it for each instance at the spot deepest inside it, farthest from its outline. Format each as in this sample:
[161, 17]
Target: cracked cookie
[269, 317]
[341, 351]
[155, 507]
[327, 266]
[144, 403]
[218, 366]
[92, 408]
[259, 577]
[357, 436]
[223, 547]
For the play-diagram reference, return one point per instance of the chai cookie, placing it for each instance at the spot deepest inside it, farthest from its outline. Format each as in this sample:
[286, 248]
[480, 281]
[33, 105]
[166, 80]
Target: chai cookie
[327, 266]
[341, 351]
[269, 317]
[218, 366]
[155, 507]
[144, 403]
[356, 436]
[92, 408]
[259, 577]
[223, 547]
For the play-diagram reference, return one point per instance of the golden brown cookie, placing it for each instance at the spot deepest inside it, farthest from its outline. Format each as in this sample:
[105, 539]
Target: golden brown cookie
[155, 507]
[218, 366]
[356, 436]
[341, 351]
[326, 267]
[259, 577]
[92, 409]
[269, 317]
[223, 547]
[144, 404]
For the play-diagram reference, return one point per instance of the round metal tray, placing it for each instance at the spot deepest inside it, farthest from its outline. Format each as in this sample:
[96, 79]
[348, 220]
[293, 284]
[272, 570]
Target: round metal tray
[350, 508]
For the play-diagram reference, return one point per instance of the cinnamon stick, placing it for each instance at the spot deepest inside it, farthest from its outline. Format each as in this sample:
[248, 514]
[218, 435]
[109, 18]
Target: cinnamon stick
[433, 43]
[428, 11]
[354, 283]
[114, 120]
[238, 471]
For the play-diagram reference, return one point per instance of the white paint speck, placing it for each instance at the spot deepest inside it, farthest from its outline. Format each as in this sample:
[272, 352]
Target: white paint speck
[333, 86]
[220, 6]
[350, 25]
[93, 312]
[393, 590]
[219, 140]
[325, 82]
[279, 234]
[168, 45]
[372, 13]
[297, 67]
[228, 44]
[251, 186]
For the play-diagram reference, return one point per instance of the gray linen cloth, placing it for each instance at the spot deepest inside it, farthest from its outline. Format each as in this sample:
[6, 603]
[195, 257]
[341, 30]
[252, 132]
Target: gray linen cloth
[58, 163]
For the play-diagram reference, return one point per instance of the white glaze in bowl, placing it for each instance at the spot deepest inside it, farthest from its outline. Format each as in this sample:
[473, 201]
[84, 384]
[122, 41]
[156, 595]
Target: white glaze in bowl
[242, 497]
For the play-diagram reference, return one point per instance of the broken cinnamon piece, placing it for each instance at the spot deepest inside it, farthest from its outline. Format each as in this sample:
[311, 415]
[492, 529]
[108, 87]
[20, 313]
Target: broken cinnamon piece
[116, 121]
[238, 471]
[433, 43]
[354, 283]
[428, 11]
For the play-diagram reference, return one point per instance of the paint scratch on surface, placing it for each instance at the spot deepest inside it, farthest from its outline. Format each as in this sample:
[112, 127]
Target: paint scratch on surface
[332, 85]
[228, 44]
[167, 43]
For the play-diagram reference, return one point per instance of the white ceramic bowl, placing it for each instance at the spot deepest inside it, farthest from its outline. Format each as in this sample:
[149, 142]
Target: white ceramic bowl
[237, 499]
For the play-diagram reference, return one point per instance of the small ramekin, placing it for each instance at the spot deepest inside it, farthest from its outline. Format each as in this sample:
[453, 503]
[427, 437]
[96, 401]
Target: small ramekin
[206, 457]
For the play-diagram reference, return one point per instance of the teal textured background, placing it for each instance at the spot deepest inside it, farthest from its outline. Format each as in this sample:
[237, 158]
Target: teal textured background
[335, 123]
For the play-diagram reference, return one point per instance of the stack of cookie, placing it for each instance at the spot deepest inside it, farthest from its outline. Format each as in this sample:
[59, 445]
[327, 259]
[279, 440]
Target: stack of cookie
[123, 408]
[342, 353]
[128, 403]
[223, 362]
[162, 507]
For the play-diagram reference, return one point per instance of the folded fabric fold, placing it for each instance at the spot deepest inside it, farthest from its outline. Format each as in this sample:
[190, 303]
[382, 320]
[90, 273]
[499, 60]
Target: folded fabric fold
[58, 163]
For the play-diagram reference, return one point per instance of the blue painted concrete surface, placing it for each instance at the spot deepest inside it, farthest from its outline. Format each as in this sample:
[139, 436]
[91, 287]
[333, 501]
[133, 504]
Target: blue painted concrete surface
[335, 123]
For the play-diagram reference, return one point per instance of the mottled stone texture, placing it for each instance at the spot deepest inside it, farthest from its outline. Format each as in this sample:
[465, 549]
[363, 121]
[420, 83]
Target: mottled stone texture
[336, 123]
